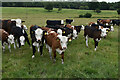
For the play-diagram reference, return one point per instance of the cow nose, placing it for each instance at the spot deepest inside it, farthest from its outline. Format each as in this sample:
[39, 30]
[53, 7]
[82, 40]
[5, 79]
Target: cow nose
[38, 40]
[22, 44]
[64, 47]
[12, 42]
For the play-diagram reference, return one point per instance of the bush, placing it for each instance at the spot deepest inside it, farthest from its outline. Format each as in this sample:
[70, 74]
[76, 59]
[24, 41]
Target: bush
[118, 11]
[49, 7]
[81, 16]
[98, 11]
[88, 15]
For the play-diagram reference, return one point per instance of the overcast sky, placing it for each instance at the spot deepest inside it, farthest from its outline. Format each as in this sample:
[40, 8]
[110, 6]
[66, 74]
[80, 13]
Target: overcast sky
[109, 0]
[57, 0]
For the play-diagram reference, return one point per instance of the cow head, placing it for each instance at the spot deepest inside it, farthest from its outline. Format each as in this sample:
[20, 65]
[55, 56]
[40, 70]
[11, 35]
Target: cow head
[11, 39]
[22, 40]
[59, 31]
[38, 34]
[112, 28]
[63, 41]
[24, 27]
[104, 32]
[83, 27]
[74, 33]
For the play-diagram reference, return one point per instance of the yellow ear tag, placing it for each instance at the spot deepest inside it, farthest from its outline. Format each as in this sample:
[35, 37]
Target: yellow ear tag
[106, 31]
[57, 39]
[45, 33]
[70, 40]
[63, 31]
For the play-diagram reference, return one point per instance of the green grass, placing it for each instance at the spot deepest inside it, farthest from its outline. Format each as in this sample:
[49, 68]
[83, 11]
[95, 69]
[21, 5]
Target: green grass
[80, 61]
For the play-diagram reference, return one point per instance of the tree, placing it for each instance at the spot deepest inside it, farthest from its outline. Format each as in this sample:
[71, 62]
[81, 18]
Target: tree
[93, 5]
[60, 8]
[104, 6]
[49, 7]
[118, 11]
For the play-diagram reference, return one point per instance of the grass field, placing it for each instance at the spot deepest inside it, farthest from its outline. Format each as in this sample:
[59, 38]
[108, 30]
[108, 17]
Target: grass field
[100, 64]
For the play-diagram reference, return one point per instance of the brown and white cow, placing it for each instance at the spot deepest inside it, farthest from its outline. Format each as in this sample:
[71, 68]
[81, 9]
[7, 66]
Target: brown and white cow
[104, 21]
[6, 38]
[56, 43]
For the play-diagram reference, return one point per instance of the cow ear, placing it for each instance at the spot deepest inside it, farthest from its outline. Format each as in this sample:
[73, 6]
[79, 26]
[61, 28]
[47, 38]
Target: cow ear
[23, 21]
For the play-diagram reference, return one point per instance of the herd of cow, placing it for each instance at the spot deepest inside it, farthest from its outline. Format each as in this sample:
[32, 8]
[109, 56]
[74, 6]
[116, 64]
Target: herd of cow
[55, 34]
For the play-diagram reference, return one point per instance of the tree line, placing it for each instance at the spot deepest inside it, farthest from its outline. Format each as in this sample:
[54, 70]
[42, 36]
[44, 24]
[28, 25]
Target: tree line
[68, 5]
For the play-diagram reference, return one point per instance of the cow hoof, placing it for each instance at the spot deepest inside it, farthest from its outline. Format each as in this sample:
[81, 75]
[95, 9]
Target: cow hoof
[95, 49]
[51, 58]
[33, 56]
[62, 62]
[54, 60]
[10, 51]
[41, 54]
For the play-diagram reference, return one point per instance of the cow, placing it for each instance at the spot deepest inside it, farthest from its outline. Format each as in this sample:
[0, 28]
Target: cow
[19, 35]
[100, 25]
[18, 22]
[74, 30]
[104, 21]
[79, 28]
[37, 37]
[6, 38]
[94, 33]
[55, 22]
[7, 25]
[65, 30]
[56, 43]
[115, 22]
[69, 21]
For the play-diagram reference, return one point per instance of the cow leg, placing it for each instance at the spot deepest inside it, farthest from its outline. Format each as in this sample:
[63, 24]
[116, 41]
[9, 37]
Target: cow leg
[54, 52]
[14, 46]
[50, 51]
[9, 47]
[41, 50]
[86, 39]
[17, 43]
[96, 44]
[38, 48]
[26, 38]
[34, 50]
[62, 57]
[3, 47]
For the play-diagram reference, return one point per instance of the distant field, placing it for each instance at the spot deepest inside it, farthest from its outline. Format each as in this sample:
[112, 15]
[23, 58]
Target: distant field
[100, 64]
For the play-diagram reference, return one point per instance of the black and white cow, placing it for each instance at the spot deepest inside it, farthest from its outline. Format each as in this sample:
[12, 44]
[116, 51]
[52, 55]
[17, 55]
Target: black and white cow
[94, 33]
[69, 21]
[79, 28]
[19, 35]
[37, 37]
[115, 22]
